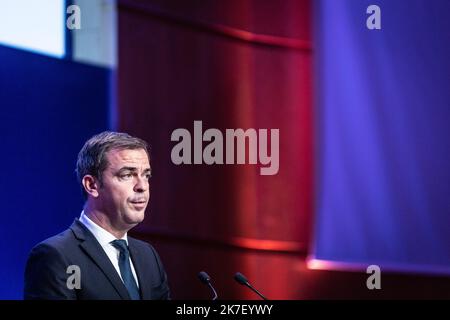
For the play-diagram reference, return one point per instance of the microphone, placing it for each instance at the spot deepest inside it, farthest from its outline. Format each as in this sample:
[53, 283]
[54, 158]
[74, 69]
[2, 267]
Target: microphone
[203, 276]
[241, 279]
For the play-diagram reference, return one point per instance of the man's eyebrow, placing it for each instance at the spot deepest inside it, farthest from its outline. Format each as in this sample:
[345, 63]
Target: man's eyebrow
[127, 169]
[133, 169]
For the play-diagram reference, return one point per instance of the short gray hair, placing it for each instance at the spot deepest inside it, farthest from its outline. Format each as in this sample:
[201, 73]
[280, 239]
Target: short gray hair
[92, 157]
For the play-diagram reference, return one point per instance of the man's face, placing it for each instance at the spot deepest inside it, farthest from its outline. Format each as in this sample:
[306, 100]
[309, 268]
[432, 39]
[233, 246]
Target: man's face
[125, 189]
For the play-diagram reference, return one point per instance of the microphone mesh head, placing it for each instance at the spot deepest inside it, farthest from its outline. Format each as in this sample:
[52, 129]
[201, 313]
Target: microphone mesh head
[239, 277]
[203, 276]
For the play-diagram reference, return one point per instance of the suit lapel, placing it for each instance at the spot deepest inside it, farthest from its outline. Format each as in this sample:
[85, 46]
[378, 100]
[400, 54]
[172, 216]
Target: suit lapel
[139, 266]
[93, 249]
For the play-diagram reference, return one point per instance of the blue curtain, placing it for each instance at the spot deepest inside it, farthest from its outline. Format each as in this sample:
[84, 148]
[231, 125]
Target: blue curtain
[48, 108]
[383, 134]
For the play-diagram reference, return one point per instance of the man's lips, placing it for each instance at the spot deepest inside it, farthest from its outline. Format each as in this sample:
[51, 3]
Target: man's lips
[139, 201]
[139, 205]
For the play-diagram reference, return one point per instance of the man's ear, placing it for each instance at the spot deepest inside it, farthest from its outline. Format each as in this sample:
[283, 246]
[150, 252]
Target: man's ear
[91, 185]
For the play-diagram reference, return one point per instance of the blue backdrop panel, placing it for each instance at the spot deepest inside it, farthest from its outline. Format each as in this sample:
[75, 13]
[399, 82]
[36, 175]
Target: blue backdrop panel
[48, 108]
[383, 115]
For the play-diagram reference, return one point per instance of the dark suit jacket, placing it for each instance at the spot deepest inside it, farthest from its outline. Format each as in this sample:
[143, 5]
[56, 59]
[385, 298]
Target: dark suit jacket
[46, 270]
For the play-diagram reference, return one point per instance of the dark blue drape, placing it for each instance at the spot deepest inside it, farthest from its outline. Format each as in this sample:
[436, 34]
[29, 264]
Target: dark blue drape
[383, 134]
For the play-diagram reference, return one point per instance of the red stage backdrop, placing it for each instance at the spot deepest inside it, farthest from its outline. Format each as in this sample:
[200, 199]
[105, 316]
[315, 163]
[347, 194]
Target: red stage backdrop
[229, 64]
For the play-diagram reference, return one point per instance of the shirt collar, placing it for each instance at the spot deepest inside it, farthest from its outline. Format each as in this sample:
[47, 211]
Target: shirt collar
[102, 236]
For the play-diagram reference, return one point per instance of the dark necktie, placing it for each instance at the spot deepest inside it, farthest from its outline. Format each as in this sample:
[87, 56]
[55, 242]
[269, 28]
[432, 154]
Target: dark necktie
[125, 269]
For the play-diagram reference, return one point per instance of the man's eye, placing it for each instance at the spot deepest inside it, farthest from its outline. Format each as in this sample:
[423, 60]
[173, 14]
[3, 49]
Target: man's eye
[126, 176]
[148, 176]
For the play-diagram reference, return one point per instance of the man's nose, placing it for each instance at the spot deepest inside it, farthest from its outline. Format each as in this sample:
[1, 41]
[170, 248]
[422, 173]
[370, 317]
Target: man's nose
[141, 184]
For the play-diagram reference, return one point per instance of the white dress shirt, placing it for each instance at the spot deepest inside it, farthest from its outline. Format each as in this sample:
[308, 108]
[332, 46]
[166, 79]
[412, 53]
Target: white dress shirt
[105, 238]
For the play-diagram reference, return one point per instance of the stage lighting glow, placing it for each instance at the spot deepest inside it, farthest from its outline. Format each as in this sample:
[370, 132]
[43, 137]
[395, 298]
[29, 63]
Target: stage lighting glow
[36, 26]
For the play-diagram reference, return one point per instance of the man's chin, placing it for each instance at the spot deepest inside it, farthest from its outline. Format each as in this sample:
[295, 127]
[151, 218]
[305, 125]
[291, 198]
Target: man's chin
[136, 217]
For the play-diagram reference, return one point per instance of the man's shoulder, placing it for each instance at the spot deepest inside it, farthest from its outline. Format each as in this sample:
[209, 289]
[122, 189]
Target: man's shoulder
[140, 244]
[144, 248]
[58, 242]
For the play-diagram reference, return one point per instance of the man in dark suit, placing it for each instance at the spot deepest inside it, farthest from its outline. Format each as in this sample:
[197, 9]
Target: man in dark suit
[94, 258]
